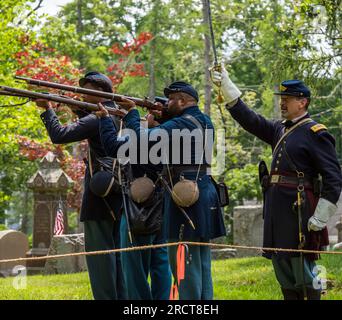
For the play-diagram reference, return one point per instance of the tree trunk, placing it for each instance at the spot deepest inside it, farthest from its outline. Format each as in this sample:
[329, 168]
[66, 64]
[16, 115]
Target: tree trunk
[154, 30]
[25, 214]
[207, 83]
[79, 27]
[152, 79]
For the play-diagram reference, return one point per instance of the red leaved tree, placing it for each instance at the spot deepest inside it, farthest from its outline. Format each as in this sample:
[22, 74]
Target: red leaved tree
[40, 62]
[125, 56]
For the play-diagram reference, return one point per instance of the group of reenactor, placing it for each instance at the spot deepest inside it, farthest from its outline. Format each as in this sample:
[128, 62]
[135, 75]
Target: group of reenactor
[138, 203]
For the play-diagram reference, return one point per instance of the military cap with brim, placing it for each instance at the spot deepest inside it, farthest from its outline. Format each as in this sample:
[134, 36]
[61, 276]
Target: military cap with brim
[98, 79]
[295, 88]
[181, 86]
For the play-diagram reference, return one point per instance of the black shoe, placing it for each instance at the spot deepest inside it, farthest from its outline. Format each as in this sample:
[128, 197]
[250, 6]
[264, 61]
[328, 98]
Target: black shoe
[290, 294]
[313, 294]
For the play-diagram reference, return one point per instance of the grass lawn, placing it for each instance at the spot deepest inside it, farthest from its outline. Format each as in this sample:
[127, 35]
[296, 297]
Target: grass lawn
[243, 279]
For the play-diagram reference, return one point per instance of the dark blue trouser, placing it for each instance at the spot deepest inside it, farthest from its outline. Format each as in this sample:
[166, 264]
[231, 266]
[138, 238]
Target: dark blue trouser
[140, 264]
[197, 283]
[290, 275]
[105, 271]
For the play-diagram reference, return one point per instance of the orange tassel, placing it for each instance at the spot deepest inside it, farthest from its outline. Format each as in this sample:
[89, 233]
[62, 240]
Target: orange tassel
[180, 263]
[174, 292]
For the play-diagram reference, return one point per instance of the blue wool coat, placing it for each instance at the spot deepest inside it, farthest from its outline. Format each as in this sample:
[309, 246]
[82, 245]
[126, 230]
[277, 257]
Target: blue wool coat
[206, 213]
[85, 128]
[313, 153]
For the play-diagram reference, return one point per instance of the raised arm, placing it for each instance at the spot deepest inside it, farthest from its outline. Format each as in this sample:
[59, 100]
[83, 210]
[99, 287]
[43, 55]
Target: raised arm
[252, 122]
[83, 128]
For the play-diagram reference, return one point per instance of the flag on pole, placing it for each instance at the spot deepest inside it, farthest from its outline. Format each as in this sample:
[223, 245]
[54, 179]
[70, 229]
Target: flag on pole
[59, 221]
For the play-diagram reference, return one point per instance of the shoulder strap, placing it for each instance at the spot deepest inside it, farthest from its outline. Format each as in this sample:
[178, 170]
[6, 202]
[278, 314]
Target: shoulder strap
[204, 135]
[193, 120]
[286, 134]
[288, 158]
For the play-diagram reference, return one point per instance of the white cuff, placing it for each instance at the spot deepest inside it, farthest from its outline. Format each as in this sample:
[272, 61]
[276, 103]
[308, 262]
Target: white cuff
[324, 210]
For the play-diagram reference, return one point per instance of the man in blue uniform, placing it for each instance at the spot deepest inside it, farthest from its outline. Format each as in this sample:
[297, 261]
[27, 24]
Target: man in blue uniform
[101, 216]
[139, 265]
[205, 213]
[296, 211]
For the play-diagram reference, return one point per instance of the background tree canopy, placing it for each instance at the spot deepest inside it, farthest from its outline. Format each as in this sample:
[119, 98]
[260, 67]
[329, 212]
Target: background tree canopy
[145, 45]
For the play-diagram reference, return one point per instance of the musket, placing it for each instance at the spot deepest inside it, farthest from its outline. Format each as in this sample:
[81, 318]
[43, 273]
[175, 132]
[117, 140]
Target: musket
[145, 103]
[5, 93]
[56, 98]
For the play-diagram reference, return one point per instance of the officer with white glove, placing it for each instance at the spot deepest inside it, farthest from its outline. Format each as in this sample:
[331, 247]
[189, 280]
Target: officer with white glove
[311, 149]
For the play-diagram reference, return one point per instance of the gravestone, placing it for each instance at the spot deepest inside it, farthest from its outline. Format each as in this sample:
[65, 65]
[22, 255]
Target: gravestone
[13, 245]
[222, 254]
[50, 185]
[338, 245]
[64, 244]
[248, 229]
[339, 229]
[333, 221]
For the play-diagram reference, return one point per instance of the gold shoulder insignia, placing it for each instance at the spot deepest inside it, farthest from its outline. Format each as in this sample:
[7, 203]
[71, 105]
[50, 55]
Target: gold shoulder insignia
[318, 127]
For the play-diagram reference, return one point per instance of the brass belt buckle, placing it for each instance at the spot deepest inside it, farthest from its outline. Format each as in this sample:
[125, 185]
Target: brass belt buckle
[275, 178]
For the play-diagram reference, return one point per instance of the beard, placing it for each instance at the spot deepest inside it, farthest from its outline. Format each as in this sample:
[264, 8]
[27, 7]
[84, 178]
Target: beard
[173, 111]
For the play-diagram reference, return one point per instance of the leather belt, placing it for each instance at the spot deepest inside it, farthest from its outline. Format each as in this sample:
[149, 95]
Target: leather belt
[279, 179]
[176, 171]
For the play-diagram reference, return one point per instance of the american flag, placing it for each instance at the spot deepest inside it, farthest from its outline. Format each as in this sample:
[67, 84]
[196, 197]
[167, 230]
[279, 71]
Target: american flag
[59, 221]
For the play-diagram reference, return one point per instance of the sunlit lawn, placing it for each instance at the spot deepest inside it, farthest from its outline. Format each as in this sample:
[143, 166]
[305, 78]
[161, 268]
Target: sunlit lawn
[244, 279]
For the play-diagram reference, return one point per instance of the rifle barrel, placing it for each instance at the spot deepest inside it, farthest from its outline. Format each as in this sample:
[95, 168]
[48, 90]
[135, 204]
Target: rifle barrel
[145, 103]
[5, 93]
[68, 101]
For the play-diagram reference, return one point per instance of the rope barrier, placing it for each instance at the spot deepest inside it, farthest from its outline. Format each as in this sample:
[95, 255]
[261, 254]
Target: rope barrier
[155, 246]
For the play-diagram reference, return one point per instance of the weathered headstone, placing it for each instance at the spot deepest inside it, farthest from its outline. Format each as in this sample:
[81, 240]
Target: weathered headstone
[338, 245]
[50, 185]
[222, 254]
[248, 229]
[64, 244]
[338, 226]
[332, 230]
[13, 245]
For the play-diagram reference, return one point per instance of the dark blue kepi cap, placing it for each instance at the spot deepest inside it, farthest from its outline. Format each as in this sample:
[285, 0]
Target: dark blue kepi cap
[295, 88]
[98, 79]
[181, 86]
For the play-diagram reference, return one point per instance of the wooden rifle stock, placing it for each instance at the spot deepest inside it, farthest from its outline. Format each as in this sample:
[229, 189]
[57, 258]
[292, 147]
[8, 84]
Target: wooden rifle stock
[145, 103]
[56, 98]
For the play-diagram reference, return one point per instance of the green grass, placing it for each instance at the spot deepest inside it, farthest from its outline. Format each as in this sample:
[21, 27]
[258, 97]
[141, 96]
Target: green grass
[244, 279]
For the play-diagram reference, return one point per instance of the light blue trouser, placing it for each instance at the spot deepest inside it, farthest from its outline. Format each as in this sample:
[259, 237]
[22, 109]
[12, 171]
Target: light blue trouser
[197, 284]
[140, 264]
[290, 275]
[105, 271]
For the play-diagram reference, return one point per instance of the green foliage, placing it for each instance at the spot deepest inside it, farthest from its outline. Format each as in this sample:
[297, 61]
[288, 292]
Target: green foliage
[2, 227]
[72, 221]
[261, 43]
[14, 171]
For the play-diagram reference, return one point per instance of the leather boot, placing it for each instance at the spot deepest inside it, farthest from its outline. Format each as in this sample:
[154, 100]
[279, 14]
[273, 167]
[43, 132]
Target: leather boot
[313, 294]
[289, 294]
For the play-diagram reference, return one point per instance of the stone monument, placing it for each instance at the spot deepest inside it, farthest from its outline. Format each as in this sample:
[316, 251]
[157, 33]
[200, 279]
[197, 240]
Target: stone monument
[50, 185]
[13, 245]
[64, 244]
[338, 245]
[248, 229]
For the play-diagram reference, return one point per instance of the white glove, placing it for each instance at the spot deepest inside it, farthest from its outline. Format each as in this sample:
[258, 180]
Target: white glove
[323, 212]
[229, 90]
